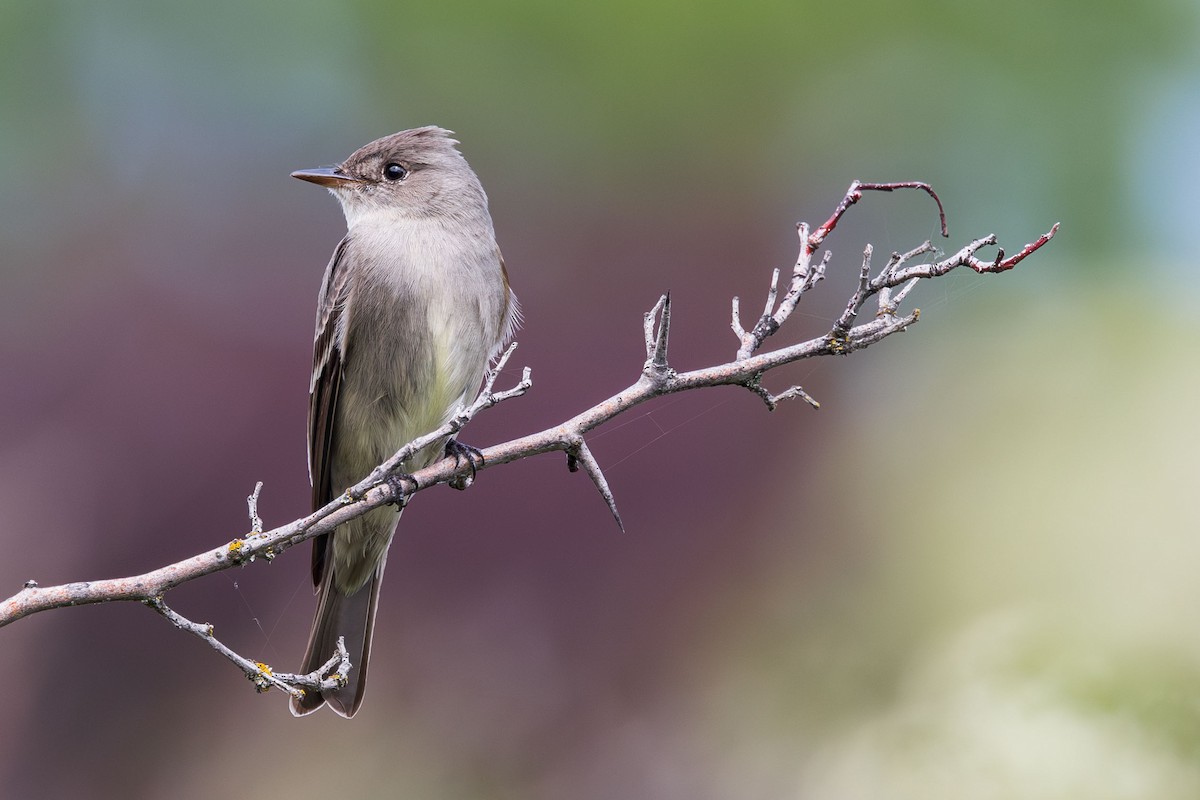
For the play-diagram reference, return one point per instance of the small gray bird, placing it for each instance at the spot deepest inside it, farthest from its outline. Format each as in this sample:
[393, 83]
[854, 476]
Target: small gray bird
[414, 304]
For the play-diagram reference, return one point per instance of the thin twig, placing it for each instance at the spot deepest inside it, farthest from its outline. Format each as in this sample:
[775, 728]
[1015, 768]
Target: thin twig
[259, 673]
[256, 523]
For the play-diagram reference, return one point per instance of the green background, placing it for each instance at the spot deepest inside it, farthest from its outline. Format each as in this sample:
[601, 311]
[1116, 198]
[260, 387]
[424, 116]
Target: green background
[971, 574]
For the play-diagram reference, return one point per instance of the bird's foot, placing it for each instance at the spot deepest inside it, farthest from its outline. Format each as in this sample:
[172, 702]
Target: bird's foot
[403, 486]
[463, 453]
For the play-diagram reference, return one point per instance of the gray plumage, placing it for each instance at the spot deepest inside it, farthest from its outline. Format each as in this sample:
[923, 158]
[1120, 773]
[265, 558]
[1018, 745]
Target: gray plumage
[414, 304]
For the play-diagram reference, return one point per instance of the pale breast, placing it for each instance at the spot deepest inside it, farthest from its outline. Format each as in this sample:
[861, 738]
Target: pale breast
[423, 320]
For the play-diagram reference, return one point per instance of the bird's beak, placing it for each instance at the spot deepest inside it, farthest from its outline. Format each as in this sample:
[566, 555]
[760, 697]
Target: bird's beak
[329, 177]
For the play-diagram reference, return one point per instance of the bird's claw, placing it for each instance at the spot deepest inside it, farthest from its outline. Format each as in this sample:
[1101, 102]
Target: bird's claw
[403, 486]
[463, 453]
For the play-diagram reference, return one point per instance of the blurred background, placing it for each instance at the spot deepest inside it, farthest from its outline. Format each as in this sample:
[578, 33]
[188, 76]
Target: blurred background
[971, 574]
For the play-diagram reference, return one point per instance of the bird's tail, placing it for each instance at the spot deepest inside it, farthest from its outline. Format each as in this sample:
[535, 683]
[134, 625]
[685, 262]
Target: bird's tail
[340, 615]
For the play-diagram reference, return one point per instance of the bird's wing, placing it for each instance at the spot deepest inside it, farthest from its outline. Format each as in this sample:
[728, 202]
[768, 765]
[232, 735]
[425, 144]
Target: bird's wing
[510, 312]
[328, 368]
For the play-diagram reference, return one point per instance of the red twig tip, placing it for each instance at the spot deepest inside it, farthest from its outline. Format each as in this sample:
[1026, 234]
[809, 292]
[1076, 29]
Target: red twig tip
[1002, 264]
[854, 194]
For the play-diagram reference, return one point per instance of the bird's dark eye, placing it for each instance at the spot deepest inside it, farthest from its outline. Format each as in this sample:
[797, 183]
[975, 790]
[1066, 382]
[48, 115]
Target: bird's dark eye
[395, 172]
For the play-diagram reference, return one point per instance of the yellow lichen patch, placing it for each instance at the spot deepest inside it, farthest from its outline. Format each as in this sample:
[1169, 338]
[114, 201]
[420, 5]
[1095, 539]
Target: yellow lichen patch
[262, 678]
[236, 546]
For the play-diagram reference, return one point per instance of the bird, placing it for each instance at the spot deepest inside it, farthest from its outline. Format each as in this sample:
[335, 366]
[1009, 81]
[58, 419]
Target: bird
[414, 305]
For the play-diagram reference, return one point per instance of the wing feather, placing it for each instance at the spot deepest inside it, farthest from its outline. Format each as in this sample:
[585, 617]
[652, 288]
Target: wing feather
[328, 369]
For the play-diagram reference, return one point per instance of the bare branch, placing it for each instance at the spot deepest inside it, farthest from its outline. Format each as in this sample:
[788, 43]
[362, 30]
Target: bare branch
[387, 484]
[260, 674]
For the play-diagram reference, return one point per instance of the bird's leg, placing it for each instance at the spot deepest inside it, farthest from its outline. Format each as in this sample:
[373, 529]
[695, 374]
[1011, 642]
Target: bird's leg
[463, 453]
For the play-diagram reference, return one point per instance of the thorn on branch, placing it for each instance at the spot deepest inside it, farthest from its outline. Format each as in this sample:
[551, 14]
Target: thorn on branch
[656, 366]
[579, 455]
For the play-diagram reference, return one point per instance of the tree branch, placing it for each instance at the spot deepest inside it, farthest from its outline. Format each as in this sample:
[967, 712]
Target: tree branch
[387, 484]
